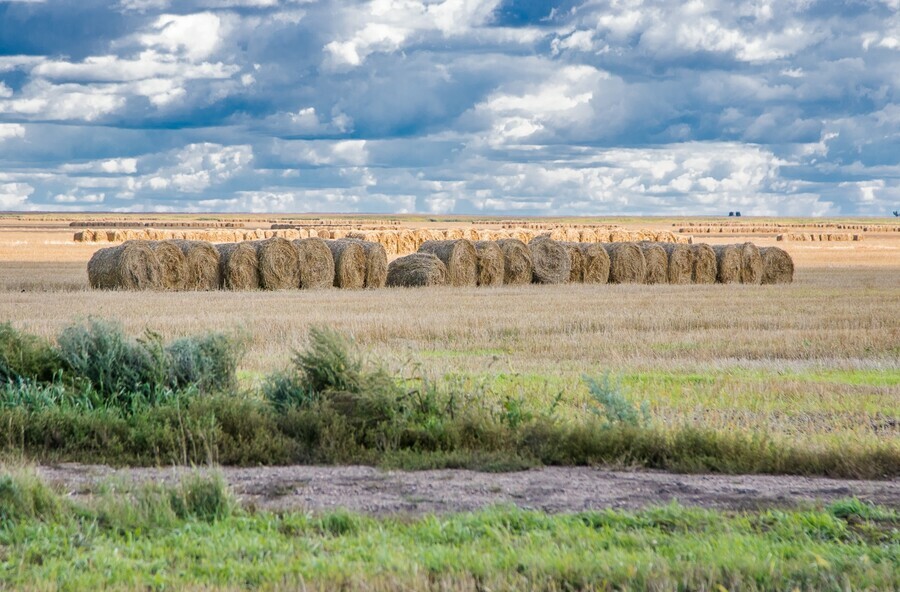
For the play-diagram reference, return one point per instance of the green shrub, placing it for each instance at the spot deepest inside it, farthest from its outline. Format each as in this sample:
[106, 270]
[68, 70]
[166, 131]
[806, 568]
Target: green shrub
[26, 357]
[202, 498]
[328, 363]
[207, 362]
[24, 496]
[612, 405]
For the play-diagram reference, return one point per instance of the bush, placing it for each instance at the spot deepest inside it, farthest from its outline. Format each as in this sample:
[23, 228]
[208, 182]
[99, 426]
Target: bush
[24, 496]
[612, 405]
[26, 357]
[329, 363]
[207, 362]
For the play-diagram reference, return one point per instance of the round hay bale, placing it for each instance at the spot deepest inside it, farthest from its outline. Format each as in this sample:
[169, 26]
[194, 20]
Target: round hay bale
[455, 234]
[238, 266]
[460, 258]
[728, 263]
[517, 266]
[133, 265]
[418, 269]
[657, 261]
[704, 268]
[490, 263]
[174, 272]
[376, 264]
[202, 265]
[626, 263]
[315, 262]
[778, 267]
[550, 261]
[596, 263]
[279, 264]
[751, 264]
[349, 263]
[587, 235]
[576, 261]
[681, 263]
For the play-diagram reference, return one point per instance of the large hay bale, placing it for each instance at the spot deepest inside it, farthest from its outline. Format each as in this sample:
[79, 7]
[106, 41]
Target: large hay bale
[315, 262]
[517, 266]
[704, 269]
[751, 264]
[626, 263]
[490, 263]
[174, 271]
[657, 261]
[460, 258]
[576, 261]
[596, 263]
[418, 269]
[238, 266]
[279, 264]
[202, 265]
[550, 261]
[349, 263]
[728, 263]
[778, 267]
[376, 264]
[130, 266]
[681, 263]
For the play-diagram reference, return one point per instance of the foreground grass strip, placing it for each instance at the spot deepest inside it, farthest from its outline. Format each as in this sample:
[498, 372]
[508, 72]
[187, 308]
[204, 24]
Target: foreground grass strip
[195, 536]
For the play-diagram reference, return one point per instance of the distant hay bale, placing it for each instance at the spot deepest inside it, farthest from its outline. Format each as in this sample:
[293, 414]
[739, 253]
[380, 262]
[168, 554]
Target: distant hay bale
[517, 266]
[587, 235]
[550, 261]
[778, 267]
[460, 258]
[490, 263]
[174, 271]
[349, 263]
[657, 261]
[619, 235]
[576, 261]
[751, 264]
[279, 264]
[133, 265]
[728, 263]
[418, 269]
[455, 234]
[596, 263]
[681, 263]
[626, 263]
[376, 264]
[409, 240]
[202, 265]
[315, 262]
[238, 266]
[704, 269]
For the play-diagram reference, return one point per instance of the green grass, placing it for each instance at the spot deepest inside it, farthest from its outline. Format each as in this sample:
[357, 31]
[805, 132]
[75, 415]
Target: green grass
[193, 535]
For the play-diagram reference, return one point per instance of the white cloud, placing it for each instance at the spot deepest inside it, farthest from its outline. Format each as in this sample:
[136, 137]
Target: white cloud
[11, 130]
[195, 36]
[90, 198]
[196, 167]
[322, 152]
[126, 166]
[14, 195]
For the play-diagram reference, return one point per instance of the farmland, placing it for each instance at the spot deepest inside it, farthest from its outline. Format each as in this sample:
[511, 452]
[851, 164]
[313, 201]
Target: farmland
[812, 367]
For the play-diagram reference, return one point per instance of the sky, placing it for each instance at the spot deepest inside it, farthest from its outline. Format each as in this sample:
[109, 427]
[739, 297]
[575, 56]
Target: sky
[484, 107]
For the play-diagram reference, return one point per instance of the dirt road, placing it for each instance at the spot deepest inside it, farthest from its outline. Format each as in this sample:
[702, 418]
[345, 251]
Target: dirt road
[552, 489]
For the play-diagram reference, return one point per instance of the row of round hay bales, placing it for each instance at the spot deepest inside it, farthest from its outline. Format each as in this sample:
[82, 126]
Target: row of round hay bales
[271, 264]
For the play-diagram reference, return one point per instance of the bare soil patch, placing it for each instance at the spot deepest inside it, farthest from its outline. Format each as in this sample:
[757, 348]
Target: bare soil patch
[552, 489]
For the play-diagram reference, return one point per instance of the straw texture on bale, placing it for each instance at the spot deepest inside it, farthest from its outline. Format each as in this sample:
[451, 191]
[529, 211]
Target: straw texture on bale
[596, 263]
[657, 262]
[490, 263]
[279, 264]
[704, 270]
[778, 267]
[376, 264]
[315, 262]
[626, 263]
[517, 266]
[751, 264]
[349, 263]
[460, 258]
[174, 272]
[681, 263]
[728, 263]
[576, 261]
[238, 266]
[202, 265]
[418, 269]
[550, 261]
[133, 265]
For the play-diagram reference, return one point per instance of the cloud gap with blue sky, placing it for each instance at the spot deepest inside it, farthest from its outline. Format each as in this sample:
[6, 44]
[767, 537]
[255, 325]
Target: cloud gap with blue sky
[487, 107]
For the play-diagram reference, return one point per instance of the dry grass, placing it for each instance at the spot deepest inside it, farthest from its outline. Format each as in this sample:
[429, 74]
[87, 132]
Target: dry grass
[816, 359]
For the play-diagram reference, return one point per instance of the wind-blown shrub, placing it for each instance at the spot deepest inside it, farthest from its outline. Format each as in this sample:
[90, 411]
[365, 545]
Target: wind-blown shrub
[26, 357]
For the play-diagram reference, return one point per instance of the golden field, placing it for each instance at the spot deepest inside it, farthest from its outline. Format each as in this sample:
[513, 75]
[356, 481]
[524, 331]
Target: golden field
[818, 359]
